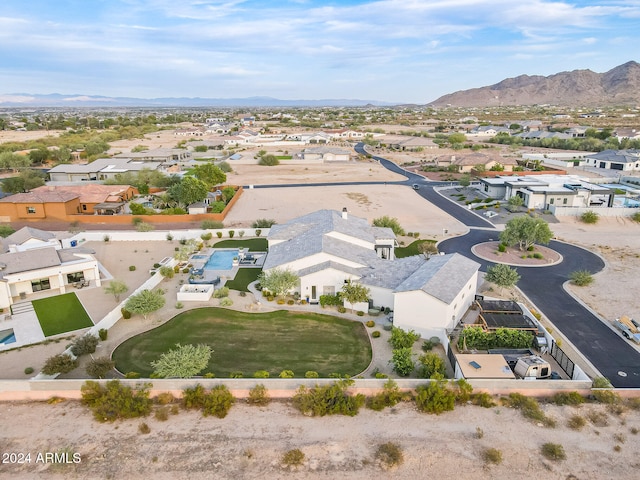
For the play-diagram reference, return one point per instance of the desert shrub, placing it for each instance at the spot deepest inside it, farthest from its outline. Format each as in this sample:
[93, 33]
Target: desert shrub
[389, 397]
[464, 390]
[131, 375]
[636, 217]
[258, 232]
[529, 408]
[502, 247]
[435, 397]
[145, 227]
[286, 374]
[576, 422]
[217, 402]
[280, 301]
[144, 428]
[293, 458]
[126, 314]
[567, 398]
[60, 363]
[258, 396]
[226, 302]
[99, 367]
[590, 217]
[389, 222]
[581, 278]
[389, 455]
[431, 363]
[360, 313]
[553, 451]
[164, 398]
[311, 374]
[479, 433]
[236, 374]
[116, 401]
[206, 236]
[601, 382]
[606, 396]
[376, 334]
[403, 339]
[179, 305]
[211, 225]
[221, 292]
[232, 233]
[162, 414]
[370, 323]
[106, 238]
[328, 400]
[597, 418]
[261, 374]
[483, 399]
[219, 234]
[290, 302]
[268, 161]
[263, 223]
[167, 272]
[193, 397]
[634, 403]
[83, 345]
[103, 333]
[28, 370]
[342, 309]
[492, 455]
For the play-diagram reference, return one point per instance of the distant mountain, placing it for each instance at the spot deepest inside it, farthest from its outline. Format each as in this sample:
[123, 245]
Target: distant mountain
[619, 86]
[58, 100]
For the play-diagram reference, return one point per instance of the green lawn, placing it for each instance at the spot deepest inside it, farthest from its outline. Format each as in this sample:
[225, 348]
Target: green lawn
[61, 314]
[252, 244]
[410, 250]
[243, 278]
[247, 342]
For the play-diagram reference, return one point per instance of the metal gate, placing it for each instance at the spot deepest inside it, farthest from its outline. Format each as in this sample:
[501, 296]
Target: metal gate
[563, 360]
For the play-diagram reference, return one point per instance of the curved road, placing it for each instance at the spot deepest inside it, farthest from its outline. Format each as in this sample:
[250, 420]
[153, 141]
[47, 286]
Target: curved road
[610, 353]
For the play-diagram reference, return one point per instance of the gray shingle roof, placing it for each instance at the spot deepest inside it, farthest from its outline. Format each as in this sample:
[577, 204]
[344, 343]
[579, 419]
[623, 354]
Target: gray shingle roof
[617, 156]
[25, 234]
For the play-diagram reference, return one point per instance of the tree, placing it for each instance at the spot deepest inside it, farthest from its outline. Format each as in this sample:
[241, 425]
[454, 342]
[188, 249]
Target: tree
[39, 155]
[515, 202]
[465, 180]
[389, 222]
[526, 231]
[502, 275]
[145, 302]
[6, 230]
[278, 281]
[185, 361]
[457, 138]
[116, 288]
[98, 367]
[166, 271]
[188, 191]
[13, 161]
[402, 359]
[209, 174]
[61, 363]
[24, 182]
[403, 339]
[427, 249]
[355, 293]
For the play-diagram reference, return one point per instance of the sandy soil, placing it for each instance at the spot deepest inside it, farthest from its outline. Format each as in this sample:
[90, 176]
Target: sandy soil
[250, 443]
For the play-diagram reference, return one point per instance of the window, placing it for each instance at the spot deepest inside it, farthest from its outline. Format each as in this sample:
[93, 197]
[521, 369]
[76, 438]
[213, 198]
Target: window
[564, 201]
[75, 277]
[84, 206]
[551, 200]
[42, 284]
[31, 209]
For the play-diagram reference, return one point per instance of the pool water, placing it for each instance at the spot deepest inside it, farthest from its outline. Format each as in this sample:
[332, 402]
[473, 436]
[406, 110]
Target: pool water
[221, 260]
[7, 336]
[199, 257]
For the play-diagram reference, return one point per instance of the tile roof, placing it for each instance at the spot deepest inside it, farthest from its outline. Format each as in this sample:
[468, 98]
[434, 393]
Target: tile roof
[40, 197]
[89, 193]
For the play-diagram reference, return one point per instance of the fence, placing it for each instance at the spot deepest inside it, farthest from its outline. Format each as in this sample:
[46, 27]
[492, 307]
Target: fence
[563, 360]
[602, 211]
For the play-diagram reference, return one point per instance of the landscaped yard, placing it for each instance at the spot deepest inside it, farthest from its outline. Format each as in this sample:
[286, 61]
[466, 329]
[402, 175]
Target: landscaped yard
[243, 278]
[410, 250]
[251, 244]
[248, 342]
[61, 314]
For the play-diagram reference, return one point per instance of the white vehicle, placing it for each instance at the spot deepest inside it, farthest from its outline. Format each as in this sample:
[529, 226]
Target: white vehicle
[532, 367]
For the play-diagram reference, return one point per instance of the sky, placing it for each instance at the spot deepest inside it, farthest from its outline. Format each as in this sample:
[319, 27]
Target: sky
[399, 51]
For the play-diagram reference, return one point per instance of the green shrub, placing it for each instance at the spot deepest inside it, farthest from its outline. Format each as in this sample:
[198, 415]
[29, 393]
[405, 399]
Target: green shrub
[483, 399]
[538, 255]
[258, 232]
[179, 305]
[567, 398]
[606, 396]
[116, 401]
[529, 408]
[232, 233]
[402, 360]
[221, 292]
[280, 301]
[219, 234]
[226, 302]
[376, 334]
[99, 367]
[581, 278]
[389, 397]
[328, 400]
[218, 402]
[430, 364]
[268, 161]
[84, 344]
[601, 382]
[590, 217]
[492, 455]
[132, 268]
[132, 375]
[28, 370]
[126, 314]
[389, 222]
[360, 313]
[236, 374]
[502, 248]
[435, 397]
[263, 223]
[370, 323]
[103, 333]
[293, 458]
[553, 451]
[164, 398]
[193, 397]
[330, 300]
[403, 339]
[286, 374]
[258, 396]
[311, 374]
[290, 302]
[476, 338]
[261, 374]
[342, 309]
[60, 363]
[636, 217]
[389, 455]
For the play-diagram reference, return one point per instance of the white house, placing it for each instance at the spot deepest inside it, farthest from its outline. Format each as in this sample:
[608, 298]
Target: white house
[33, 261]
[623, 160]
[328, 248]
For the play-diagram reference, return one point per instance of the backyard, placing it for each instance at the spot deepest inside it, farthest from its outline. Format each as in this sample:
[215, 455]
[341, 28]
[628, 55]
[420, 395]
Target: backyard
[61, 314]
[244, 343]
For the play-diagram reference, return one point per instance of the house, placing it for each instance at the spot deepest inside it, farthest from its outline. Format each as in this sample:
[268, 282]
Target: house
[33, 260]
[545, 191]
[465, 163]
[167, 156]
[58, 202]
[623, 160]
[412, 144]
[324, 154]
[630, 133]
[489, 131]
[100, 169]
[540, 135]
[327, 248]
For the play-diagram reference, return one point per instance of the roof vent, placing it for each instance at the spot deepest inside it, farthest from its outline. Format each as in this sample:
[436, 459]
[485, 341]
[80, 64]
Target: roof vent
[344, 213]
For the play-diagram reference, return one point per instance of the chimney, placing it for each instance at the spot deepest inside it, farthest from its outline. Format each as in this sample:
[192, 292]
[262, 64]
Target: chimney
[344, 213]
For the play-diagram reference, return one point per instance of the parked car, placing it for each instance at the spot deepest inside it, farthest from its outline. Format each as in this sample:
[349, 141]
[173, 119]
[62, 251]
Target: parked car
[416, 186]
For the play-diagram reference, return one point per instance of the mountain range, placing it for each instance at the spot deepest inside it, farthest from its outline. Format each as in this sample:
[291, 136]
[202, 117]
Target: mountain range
[618, 86]
[58, 100]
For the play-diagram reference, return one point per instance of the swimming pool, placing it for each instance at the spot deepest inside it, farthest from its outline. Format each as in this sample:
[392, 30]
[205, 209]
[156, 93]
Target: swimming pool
[221, 260]
[7, 336]
[199, 257]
